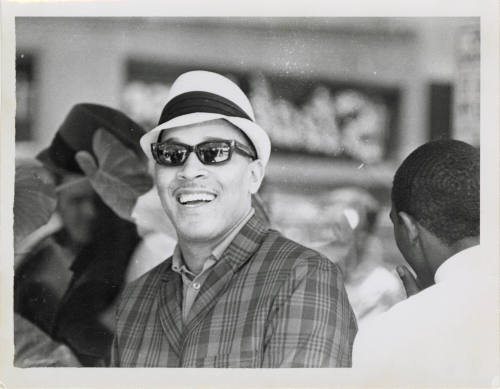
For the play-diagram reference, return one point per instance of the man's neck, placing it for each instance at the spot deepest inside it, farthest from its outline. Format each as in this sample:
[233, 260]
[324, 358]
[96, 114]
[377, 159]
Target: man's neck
[195, 253]
[463, 244]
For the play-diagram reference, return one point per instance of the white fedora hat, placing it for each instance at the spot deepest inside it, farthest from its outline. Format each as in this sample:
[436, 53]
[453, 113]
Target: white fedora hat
[199, 96]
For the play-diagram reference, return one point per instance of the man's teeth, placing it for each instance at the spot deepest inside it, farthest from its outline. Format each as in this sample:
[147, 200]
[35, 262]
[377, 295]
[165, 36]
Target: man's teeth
[195, 197]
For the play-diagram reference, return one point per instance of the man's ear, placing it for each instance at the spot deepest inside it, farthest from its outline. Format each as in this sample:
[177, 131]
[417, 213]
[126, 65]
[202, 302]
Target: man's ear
[409, 226]
[256, 172]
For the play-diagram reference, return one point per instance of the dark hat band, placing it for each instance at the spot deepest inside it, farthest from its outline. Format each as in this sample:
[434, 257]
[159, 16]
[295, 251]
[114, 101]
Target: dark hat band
[193, 102]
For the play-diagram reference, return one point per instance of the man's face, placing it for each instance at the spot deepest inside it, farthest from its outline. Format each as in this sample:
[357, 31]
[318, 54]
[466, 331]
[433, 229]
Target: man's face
[77, 208]
[205, 201]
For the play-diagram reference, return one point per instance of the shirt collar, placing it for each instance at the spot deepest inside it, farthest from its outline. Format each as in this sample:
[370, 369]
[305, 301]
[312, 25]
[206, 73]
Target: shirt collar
[180, 267]
[462, 262]
[178, 263]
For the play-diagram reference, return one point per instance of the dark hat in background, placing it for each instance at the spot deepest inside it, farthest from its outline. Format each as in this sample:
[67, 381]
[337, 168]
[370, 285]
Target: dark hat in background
[76, 134]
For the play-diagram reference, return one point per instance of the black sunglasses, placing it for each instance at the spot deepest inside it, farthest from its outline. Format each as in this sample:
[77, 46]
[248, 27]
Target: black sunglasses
[211, 152]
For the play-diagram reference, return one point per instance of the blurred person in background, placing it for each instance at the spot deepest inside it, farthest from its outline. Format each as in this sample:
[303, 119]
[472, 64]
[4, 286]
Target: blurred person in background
[372, 286]
[234, 293]
[445, 331]
[69, 280]
[34, 203]
[45, 273]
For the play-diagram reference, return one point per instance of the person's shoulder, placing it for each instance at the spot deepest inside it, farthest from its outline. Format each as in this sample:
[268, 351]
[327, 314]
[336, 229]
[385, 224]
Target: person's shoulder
[276, 242]
[140, 293]
[404, 314]
[43, 258]
[152, 275]
[145, 282]
[42, 248]
[291, 253]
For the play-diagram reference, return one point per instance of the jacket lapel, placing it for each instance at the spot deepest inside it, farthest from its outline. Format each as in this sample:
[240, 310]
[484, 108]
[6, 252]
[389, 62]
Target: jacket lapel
[243, 246]
[170, 308]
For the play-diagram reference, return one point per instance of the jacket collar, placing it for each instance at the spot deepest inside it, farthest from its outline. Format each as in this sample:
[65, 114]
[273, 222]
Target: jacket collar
[240, 250]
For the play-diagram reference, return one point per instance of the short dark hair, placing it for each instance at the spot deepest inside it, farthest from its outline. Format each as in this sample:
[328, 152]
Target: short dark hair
[438, 185]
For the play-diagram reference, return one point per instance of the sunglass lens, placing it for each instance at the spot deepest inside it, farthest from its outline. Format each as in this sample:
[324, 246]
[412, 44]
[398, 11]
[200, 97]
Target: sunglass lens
[172, 154]
[214, 152]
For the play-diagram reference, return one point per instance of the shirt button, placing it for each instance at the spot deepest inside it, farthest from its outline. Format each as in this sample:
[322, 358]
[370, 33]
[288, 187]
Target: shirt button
[196, 285]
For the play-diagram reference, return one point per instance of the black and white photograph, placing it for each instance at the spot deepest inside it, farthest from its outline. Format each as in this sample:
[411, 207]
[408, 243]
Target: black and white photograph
[285, 198]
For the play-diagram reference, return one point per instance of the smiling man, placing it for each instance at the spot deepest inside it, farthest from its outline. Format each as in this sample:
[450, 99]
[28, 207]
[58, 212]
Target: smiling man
[234, 293]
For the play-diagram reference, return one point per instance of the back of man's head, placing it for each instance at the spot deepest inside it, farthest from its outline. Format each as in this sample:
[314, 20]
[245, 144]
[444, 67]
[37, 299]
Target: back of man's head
[438, 185]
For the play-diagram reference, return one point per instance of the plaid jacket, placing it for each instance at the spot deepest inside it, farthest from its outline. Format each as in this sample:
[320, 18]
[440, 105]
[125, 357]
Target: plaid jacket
[268, 302]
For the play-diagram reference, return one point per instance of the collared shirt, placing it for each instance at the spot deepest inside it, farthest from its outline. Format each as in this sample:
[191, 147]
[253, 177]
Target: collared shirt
[461, 264]
[191, 282]
[444, 335]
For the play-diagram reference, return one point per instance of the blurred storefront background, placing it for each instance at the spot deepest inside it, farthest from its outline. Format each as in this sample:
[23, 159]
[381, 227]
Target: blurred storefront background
[344, 99]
